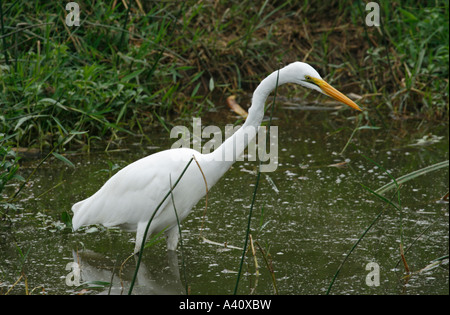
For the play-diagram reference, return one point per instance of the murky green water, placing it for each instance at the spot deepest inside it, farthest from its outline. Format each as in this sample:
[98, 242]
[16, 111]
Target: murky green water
[307, 217]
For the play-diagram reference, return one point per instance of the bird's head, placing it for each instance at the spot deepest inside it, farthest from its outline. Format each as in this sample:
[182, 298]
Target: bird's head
[305, 75]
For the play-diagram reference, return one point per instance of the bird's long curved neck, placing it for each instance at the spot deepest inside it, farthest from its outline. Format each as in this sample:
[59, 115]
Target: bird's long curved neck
[235, 145]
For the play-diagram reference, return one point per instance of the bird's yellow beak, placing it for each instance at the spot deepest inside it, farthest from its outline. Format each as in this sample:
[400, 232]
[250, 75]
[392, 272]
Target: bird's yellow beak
[332, 92]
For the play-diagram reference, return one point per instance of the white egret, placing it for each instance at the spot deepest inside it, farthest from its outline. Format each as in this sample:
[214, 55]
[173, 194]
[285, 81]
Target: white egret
[129, 198]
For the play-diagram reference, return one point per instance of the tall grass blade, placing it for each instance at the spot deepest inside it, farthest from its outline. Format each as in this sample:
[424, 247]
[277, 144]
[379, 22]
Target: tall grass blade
[148, 226]
[269, 267]
[63, 159]
[412, 175]
[254, 195]
[355, 130]
[181, 238]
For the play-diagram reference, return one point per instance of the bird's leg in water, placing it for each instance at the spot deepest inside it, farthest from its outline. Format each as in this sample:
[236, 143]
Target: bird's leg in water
[172, 236]
[140, 236]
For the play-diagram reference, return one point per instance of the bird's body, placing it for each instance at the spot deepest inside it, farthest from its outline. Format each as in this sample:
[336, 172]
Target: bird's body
[129, 198]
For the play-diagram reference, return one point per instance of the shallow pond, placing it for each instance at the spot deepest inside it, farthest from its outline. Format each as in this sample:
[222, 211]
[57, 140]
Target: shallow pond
[308, 215]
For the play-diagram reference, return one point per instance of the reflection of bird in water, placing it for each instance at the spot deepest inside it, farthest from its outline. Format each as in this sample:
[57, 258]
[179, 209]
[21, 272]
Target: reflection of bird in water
[161, 279]
[129, 198]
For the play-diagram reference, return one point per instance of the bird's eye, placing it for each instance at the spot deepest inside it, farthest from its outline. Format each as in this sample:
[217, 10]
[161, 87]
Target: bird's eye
[307, 78]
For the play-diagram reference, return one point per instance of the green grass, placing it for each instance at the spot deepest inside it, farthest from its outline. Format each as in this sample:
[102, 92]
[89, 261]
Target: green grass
[415, 45]
[124, 69]
[9, 165]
